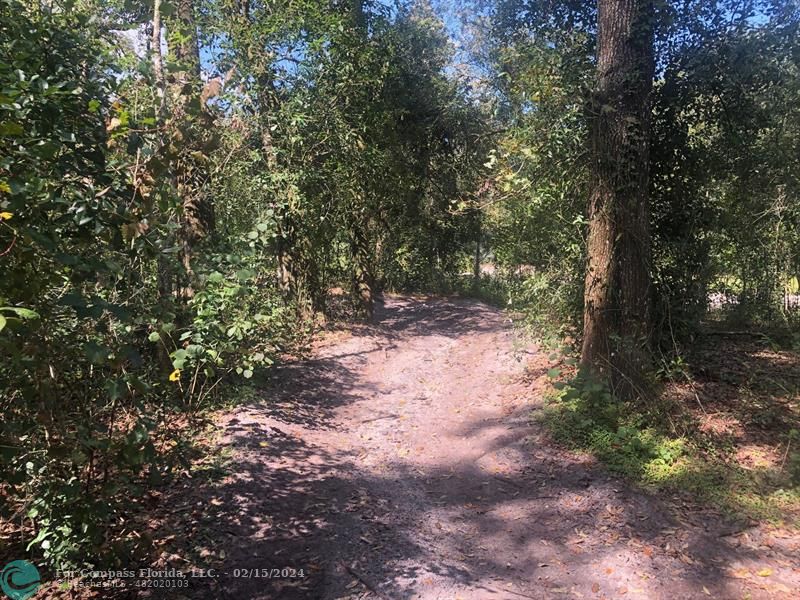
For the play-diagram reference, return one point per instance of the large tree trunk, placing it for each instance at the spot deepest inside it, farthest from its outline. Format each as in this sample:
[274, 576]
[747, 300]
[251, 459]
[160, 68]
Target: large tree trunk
[616, 336]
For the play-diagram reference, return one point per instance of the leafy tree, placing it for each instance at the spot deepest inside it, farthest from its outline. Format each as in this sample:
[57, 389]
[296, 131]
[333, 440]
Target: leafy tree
[181, 183]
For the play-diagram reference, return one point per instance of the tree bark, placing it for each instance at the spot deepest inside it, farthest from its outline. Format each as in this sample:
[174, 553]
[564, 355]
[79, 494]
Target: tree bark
[476, 265]
[158, 66]
[164, 272]
[290, 276]
[258, 60]
[616, 336]
[363, 278]
[186, 130]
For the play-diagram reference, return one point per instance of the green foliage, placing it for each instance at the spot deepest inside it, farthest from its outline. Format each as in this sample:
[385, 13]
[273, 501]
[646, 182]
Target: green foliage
[87, 337]
[636, 443]
[722, 169]
[144, 216]
[164, 237]
[535, 204]
[64, 370]
[723, 160]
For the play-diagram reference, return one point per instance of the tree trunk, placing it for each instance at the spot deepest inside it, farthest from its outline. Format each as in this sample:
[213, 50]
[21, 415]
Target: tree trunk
[165, 275]
[476, 266]
[362, 269]
[287, 249]
[158, 66]
[186, 129]
[616, 336]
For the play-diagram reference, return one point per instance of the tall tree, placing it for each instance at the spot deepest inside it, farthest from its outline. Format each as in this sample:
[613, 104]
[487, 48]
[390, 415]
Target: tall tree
[617, 287]
[187, 128]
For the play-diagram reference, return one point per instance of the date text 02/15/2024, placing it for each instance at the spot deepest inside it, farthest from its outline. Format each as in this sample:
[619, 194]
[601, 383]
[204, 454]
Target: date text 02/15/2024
[170, 577]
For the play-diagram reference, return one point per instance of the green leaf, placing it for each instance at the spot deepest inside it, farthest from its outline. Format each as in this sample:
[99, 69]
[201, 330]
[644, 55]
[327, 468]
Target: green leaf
[195, 350]
[96, 353]
[154, 337]
[22, 313]
[553, 373]
[115, 389]
[10, 129]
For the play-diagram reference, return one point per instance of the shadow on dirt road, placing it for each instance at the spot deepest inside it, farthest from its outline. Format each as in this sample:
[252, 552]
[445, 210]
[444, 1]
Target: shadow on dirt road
[401, 462]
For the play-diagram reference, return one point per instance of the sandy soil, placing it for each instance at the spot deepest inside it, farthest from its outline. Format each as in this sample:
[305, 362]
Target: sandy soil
[401, 461]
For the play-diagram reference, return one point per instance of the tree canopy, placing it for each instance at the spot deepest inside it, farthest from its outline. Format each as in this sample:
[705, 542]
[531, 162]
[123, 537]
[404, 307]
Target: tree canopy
[189, 189]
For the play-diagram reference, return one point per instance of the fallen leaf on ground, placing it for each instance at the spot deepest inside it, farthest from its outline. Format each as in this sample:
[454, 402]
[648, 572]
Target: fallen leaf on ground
[740, 573]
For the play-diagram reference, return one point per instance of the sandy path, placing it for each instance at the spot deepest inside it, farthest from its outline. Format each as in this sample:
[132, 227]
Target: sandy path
[400, 462]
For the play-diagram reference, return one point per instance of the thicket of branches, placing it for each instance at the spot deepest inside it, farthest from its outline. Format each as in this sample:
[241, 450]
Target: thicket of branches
[723, 157]
[183, 183]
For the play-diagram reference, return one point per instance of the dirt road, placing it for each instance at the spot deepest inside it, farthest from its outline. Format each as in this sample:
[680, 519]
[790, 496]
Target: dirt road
[401, 462]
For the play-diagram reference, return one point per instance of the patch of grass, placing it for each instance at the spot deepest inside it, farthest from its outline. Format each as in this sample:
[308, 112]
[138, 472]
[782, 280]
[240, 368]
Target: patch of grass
[635, 444]
[237, 393]
[491, 290]
[537, 304]
[214, 464]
